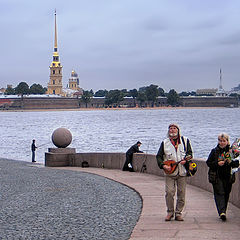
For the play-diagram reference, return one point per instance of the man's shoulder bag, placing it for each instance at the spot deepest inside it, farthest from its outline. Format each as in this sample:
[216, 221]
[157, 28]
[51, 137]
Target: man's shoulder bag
[191, 167]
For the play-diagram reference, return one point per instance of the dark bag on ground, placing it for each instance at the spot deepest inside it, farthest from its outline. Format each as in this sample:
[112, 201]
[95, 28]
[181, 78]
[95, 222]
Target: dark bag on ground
[212, 176]
[191, 168]
[85, 164]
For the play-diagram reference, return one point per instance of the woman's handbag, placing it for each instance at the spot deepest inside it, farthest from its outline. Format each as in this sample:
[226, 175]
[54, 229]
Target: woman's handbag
[212, 176]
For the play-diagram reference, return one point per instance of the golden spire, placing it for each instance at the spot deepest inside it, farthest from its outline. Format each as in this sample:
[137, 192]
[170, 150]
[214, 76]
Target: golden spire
[55, 39]
[56, 61]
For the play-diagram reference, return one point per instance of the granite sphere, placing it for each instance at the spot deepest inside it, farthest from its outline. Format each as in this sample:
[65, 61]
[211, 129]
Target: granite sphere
[61, 137]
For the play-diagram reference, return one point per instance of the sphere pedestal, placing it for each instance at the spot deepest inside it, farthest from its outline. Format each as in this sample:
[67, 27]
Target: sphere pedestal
[60, 156]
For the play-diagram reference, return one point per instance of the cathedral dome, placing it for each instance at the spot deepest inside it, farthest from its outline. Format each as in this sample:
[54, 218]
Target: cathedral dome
[74, 74]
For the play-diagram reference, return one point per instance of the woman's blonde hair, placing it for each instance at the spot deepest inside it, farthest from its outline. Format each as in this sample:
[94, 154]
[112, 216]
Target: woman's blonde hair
[224, 135]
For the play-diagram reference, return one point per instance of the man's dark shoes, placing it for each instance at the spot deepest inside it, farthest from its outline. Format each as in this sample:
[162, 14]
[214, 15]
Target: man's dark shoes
[223, 216]
[179, 218]
[168, 217]
[33, 161]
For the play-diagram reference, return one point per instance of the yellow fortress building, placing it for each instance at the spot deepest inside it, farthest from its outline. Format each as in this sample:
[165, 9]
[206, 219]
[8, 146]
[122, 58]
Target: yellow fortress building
[55, 82]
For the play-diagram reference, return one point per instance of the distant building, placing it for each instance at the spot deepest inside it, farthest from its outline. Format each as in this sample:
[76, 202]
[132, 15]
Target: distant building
[221, 92]
[206, 92]
[73, 89]
[55, 82]
[74, 81]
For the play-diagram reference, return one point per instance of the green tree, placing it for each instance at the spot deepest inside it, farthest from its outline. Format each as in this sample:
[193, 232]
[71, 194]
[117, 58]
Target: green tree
[184, 94]
[86, 97]
[22, 88]
[114, 97]
[133, 93]
[101, 93]
[91, 92]
[173, 98]
[125, 92]
[152, 93]
[161, 92]
[37, 89]
[9, 91]
[141, 97]
[142, 89]
[235, 95]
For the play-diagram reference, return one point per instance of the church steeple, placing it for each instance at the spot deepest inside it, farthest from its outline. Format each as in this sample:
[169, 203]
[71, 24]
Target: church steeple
[55, 83]
[220, 85]
[220, 91]
[55, 50]
[55, 39]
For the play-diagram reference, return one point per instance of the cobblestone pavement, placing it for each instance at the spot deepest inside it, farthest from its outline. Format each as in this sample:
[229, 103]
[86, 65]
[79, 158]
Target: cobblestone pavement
[46, 203]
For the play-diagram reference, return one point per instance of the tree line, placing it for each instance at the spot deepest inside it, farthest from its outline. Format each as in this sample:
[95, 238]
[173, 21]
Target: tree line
[149, 93]
[112, 97]
[23, 88]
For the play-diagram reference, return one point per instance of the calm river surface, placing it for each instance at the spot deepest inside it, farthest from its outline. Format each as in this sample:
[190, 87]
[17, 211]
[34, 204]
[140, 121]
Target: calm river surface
[114, 130]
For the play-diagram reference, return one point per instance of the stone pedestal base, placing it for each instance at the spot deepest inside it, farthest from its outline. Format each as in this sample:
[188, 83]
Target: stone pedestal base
[59, 157]
[62, 150]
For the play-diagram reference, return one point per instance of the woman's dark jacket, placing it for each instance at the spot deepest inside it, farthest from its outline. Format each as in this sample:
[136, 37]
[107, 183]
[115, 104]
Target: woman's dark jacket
[223, 172]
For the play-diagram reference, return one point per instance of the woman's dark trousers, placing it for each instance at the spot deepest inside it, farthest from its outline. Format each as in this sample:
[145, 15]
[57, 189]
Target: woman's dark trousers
[222, 191]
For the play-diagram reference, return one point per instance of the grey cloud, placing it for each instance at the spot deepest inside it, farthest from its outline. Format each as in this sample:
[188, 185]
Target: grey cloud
[155, 24]
[208, 24]
[233, 39]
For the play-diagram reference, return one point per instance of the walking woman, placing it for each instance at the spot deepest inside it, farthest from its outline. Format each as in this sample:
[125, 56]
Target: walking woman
[220, 175]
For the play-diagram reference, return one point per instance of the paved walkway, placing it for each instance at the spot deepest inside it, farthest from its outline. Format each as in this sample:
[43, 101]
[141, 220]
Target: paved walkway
[201, 220]
[40, 203]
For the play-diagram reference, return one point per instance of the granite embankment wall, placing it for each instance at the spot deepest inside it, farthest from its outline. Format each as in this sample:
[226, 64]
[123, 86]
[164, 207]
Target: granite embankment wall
[75, 103]
[209, 101]
[116, 161]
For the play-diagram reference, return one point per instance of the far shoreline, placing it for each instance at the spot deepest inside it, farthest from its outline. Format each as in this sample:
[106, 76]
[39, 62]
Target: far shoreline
[108, 109]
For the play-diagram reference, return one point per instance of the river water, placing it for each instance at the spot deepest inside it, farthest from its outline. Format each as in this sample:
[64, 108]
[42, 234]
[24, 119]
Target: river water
[114, 130]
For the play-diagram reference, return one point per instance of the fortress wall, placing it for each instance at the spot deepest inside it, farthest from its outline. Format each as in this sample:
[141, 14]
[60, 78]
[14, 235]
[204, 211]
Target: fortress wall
[72, 103]
[50, 103]
[209, 102]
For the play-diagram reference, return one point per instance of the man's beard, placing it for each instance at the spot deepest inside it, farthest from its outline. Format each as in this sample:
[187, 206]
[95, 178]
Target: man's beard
[173, 134]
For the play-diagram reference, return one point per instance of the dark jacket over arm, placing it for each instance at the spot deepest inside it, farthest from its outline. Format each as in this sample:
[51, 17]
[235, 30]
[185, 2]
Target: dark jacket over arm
[189, 149]
[133, 149]
[212, 160]
[160, 155]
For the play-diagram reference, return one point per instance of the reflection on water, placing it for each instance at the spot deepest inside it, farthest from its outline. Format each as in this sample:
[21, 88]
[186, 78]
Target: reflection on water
[113, 130]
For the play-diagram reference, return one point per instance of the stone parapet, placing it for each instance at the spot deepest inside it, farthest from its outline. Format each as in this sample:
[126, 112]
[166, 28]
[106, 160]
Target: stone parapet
[100, 160]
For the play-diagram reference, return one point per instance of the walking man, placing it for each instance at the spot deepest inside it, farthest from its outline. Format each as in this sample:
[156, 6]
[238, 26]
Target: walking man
[129, 156]
[33, 148]
[173, 153]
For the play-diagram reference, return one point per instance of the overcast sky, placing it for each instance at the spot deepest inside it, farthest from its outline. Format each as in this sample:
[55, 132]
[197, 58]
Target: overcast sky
[116, 44]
